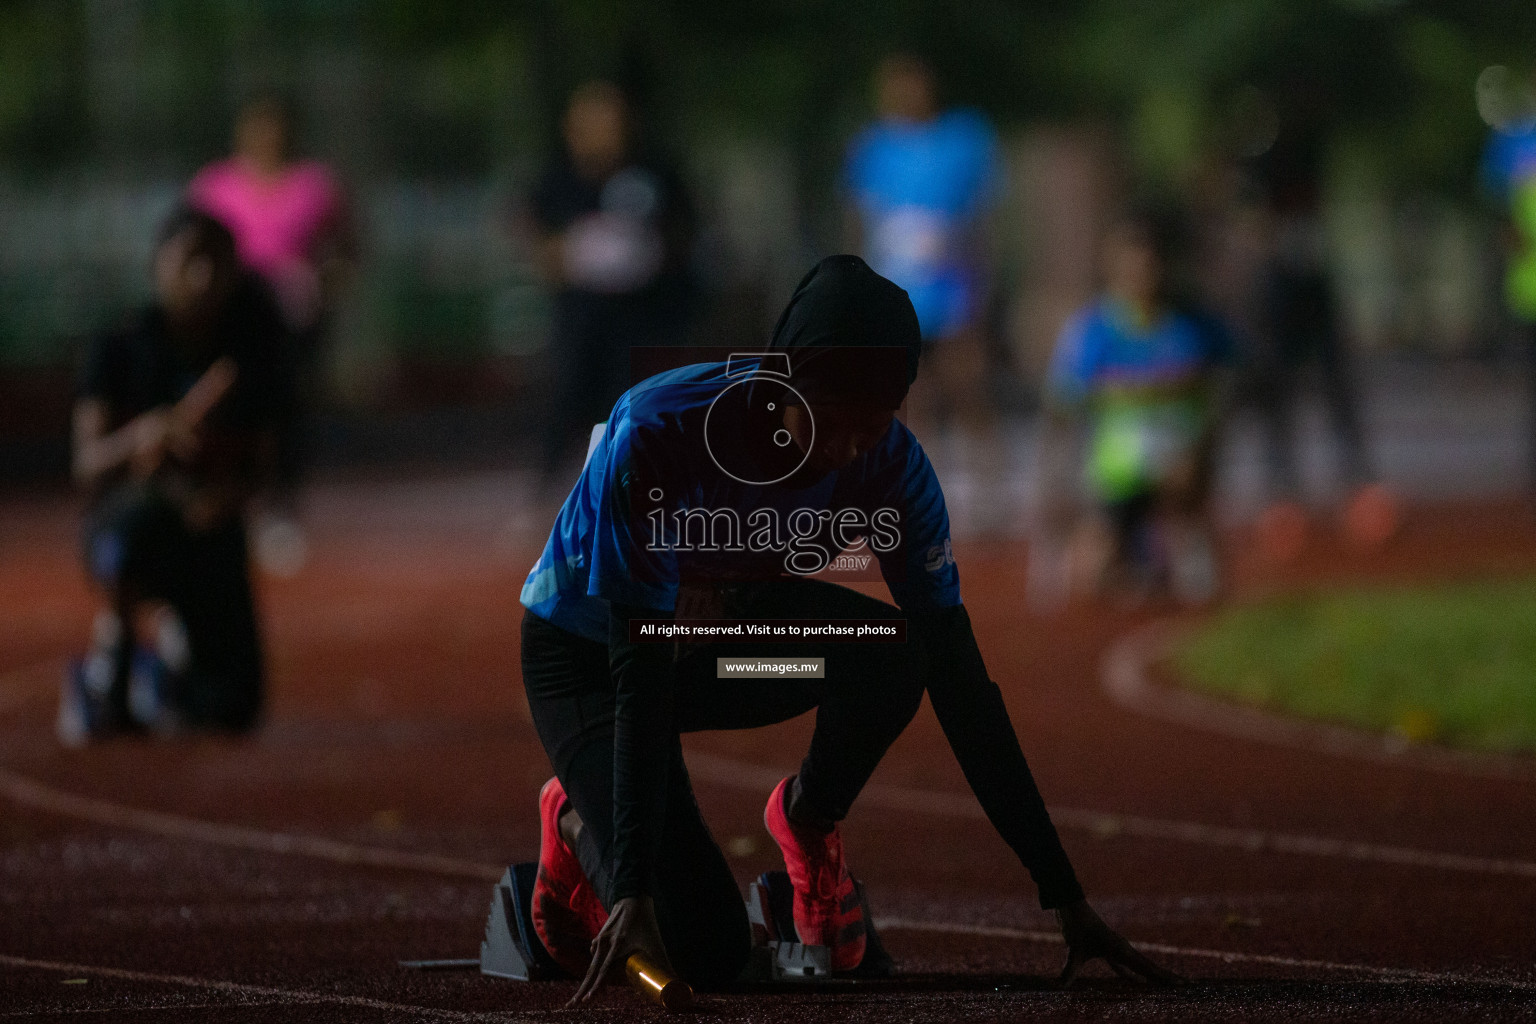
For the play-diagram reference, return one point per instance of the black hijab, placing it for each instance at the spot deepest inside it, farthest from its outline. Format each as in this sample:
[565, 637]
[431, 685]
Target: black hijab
[851, 335]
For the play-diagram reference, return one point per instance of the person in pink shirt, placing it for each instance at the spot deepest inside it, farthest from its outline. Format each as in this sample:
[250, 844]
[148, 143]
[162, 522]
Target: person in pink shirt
[291, 226]
[288, 216]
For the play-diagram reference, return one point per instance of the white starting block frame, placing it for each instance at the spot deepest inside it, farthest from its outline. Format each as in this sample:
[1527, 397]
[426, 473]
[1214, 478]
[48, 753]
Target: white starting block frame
[776, 959]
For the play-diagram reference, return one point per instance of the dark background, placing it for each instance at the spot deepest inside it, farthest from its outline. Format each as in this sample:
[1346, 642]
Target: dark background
[437, 116]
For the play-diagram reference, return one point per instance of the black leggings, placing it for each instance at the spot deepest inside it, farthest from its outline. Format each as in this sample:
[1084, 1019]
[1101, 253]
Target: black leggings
[870, 693]
[138, 547]
[1301, 322]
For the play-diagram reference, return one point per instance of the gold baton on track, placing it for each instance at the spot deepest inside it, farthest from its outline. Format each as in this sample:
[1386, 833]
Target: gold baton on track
[673, 993]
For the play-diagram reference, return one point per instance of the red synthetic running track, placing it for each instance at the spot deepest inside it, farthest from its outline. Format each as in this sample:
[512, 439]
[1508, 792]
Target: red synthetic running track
[282, 878]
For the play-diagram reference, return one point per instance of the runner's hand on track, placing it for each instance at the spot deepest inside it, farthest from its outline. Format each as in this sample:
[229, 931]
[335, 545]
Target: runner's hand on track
[1089, 938]
[631, 929]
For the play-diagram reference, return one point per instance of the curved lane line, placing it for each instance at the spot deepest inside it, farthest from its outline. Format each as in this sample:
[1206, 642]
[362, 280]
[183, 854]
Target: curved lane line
[292, 996]
[737, 774]
[1123, 678]
[24, 791]
[728, 772]
[1400, 974]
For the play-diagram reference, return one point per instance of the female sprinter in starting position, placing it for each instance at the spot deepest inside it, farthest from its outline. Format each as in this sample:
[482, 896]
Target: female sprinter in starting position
[716, 486]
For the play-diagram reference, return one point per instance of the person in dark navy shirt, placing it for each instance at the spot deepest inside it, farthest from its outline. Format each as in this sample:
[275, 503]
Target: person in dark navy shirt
[712, 492]
[613, 226]
[173, 434]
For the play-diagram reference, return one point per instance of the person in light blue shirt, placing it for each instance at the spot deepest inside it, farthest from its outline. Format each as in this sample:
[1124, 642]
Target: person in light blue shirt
[921, 181]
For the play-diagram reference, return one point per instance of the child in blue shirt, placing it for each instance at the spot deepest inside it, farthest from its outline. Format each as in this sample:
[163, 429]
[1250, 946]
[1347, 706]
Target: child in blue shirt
[1140, 368]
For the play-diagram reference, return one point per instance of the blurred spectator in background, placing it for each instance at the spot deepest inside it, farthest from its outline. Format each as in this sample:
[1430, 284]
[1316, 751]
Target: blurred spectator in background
[1141, 368]
[1296, 321]
[614, 230]
[291, 225]
[1509, 176]
[174, 432]
[921, 181]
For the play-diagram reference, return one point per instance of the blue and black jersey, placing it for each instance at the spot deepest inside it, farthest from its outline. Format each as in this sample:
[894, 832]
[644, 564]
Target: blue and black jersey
[696, 478]
[654, 507]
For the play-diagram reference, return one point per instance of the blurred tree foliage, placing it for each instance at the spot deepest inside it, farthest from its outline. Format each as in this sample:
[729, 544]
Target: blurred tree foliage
[462, 86]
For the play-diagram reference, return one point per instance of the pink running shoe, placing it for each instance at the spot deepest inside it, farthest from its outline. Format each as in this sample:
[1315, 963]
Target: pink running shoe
[828, 911]
[567, 914]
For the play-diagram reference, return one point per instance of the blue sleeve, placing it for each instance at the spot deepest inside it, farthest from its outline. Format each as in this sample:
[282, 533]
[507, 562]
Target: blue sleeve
[1075, 363]
[634, 559]
[910, 535]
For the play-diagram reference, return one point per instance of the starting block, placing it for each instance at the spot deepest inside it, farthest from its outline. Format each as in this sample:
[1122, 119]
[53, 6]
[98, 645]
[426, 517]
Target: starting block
[775, 958]
[511, 948]
[777, 953]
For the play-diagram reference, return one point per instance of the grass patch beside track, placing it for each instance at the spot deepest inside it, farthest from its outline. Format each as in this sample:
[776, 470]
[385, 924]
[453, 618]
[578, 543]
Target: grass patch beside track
[1453, 664]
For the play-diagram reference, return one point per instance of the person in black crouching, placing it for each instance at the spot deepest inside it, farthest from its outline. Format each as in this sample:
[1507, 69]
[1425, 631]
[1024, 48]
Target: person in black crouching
[173, 435]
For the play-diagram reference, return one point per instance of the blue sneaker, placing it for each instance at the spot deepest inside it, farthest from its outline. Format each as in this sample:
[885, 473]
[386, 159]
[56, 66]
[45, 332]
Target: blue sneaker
[86, 714]
[151, 695]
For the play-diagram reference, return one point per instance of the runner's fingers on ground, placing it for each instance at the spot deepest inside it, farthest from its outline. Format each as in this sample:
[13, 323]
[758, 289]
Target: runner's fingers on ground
[603, 949]
[610, 949]
[1122, 956]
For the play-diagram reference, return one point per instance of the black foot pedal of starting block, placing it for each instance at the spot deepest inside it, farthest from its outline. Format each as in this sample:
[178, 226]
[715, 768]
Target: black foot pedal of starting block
[877, 962]
[511, 948]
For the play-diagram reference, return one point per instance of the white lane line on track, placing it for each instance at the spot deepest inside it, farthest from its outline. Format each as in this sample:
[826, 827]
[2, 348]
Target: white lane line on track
[1402, 974]
[740, 775]
[102, 1011]
[746, 775]
[728, 772]
[23, 790]
[1123, 679]
[297, 996]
